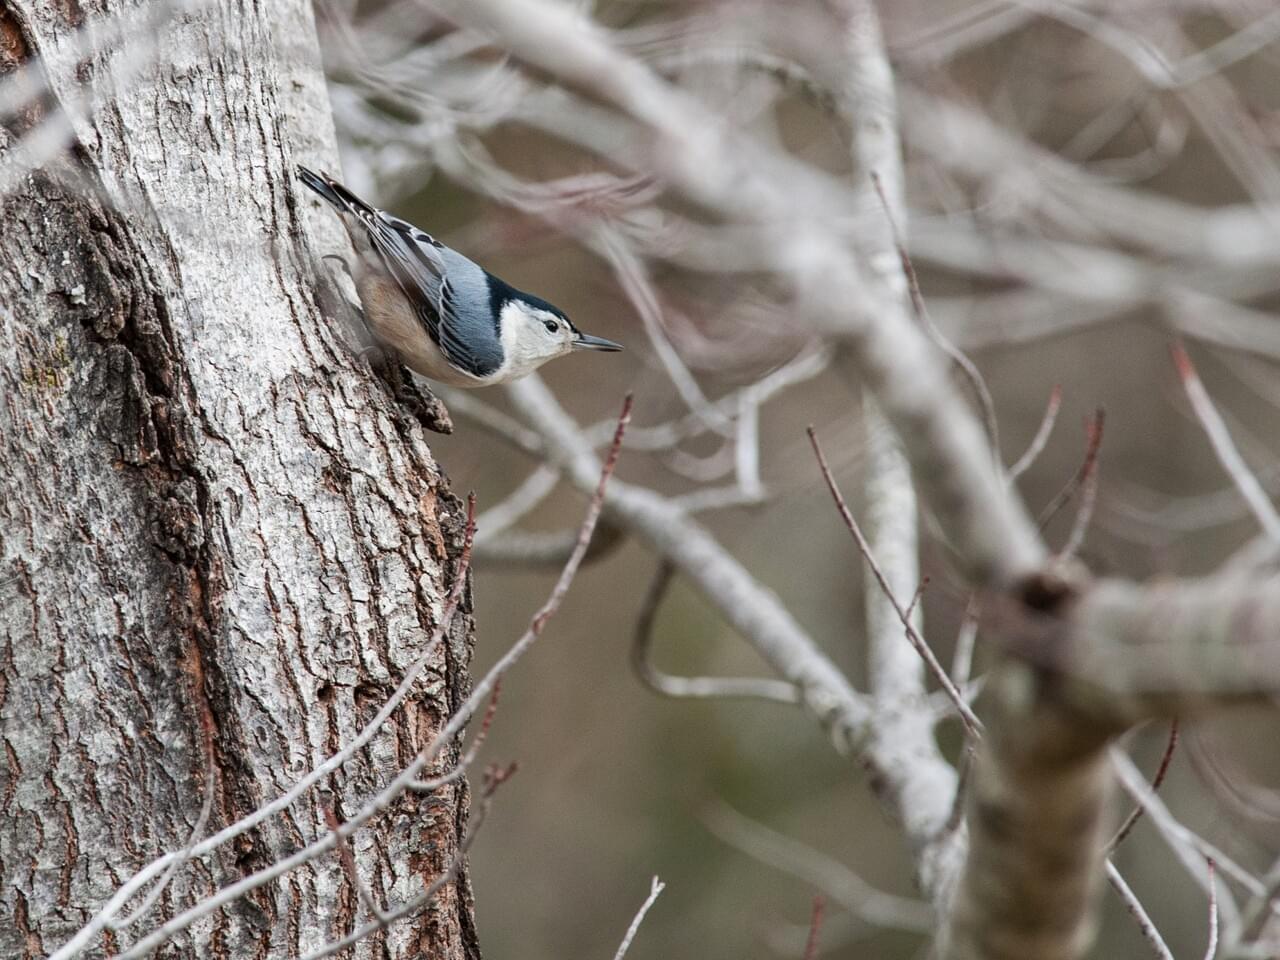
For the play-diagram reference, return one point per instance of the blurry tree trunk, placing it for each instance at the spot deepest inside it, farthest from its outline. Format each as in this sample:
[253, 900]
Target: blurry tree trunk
[220, 541]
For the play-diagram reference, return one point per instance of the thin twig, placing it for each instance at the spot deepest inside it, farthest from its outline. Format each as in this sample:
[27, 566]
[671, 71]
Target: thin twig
[758, 688]
[915, 599]
[656, 887]
[460, 768]
[1088, 487]
[966, 638]
[1188, 846]
[348, 861]
[1228, 455]
[1139, 913]
[958, 357]
[413, 905]
[1093, 441]
[757, 614]
[1161, 772]
[971, 723]
[1042, 433]
[182, 858]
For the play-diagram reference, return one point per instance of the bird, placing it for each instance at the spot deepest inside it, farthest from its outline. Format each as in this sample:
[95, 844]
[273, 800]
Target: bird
[448, 318]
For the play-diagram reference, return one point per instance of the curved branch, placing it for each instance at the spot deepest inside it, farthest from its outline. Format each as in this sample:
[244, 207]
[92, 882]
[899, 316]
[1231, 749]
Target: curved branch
[704, 688]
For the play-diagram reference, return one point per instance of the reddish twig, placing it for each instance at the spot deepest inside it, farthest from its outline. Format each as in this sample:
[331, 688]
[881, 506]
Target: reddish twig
[460, 768]
[1093, 431]
[815, 927]
[1088, 487]
[972, 724]
[1161, 772]
[495, 776]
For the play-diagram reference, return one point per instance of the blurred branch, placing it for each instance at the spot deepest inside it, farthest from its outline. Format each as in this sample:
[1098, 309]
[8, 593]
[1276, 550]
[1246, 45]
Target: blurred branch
[517, 548]
[1161, 771]
[835, 880]
[1041, 438]
[1245, 479]
[757, 688]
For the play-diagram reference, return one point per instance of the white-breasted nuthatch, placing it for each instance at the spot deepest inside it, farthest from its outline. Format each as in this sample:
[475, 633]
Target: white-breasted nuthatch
[448, 318]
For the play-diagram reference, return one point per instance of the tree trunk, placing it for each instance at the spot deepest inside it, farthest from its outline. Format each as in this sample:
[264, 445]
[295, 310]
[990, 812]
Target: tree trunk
[221, 541]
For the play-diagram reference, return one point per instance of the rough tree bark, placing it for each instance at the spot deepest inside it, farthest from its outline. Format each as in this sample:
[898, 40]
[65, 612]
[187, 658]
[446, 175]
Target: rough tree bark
[221, 541]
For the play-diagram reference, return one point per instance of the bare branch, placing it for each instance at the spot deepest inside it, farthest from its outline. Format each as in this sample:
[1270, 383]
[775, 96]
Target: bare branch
[519, 548]
[533, 491]
[1190, 848]
[692, 149]
[349, 864]
[415, 904]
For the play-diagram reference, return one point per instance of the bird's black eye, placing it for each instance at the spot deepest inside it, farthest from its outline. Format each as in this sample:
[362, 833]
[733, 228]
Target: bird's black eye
[551, 326]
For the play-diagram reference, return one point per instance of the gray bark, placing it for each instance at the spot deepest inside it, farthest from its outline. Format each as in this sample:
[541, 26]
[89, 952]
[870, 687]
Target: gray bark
[216, 529]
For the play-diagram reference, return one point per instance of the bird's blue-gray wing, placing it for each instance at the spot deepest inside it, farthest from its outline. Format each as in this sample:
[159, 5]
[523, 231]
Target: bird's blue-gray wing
[448, 292]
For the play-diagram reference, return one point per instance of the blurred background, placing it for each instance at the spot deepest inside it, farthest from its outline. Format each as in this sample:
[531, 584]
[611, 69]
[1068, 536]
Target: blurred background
[1085, 182]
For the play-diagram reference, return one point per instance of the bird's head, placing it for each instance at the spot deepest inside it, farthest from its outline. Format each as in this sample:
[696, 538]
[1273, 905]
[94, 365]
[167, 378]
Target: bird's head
[534, 331]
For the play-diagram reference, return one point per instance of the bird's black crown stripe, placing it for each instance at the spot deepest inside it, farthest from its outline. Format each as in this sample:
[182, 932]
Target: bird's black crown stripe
[501, 292]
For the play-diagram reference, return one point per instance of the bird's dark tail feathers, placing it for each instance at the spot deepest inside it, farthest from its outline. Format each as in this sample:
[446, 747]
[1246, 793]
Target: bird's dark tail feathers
[334, 192]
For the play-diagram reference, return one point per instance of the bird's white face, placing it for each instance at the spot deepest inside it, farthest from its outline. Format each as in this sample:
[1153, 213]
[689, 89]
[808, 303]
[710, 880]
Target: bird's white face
[532, 336]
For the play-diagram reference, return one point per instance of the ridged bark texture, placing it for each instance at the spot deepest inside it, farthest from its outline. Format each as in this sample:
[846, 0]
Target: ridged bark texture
[221, 542]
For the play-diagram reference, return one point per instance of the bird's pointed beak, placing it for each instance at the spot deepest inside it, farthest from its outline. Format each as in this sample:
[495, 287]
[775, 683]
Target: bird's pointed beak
[585, 341]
